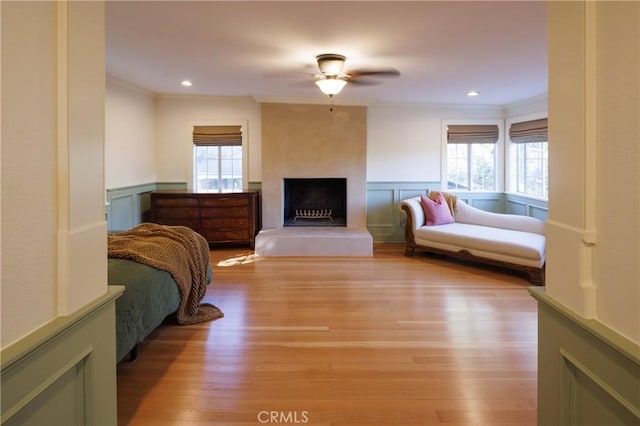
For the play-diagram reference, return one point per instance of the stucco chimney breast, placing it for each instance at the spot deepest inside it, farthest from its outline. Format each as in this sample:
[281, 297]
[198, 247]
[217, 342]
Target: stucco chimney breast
[301, 142]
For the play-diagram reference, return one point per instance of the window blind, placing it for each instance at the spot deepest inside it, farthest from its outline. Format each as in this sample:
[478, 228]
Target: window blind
[480, 133]
[529, 131]
[217, 135]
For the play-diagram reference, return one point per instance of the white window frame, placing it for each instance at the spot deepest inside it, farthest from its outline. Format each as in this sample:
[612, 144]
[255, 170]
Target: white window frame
[511, 168]
[245, 151]
[499, 152]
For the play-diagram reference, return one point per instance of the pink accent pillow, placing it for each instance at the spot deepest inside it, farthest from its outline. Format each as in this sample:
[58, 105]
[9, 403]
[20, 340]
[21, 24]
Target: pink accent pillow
[437, 212]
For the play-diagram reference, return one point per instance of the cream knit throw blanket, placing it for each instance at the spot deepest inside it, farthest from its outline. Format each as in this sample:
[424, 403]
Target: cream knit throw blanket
[181, 252]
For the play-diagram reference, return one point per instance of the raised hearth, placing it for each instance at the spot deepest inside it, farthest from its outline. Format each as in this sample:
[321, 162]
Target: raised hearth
[314, 241]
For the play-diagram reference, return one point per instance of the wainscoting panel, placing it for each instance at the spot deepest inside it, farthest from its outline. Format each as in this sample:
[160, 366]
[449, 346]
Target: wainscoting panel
[129, 206]
[517, 204]
[123, 210]
[65, 372]
[385, 221]
[538, 212]
[516, 207]
[587, 373]
[489, 201]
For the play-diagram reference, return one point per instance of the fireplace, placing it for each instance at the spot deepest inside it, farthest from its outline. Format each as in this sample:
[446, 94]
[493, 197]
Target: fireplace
[315, 202]
[307, 142]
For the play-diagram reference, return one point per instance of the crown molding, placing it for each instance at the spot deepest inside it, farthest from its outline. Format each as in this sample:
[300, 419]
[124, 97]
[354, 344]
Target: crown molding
[441, 106]
[323, 100]
[128, 85]
[526, 106]
[235, 99]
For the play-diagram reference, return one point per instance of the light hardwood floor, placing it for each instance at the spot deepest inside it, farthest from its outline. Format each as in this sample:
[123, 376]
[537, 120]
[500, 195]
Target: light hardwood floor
[386, 340]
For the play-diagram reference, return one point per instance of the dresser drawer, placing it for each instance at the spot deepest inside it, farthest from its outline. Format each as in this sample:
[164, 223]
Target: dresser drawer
[224, 202]
[175, 221]
[179, 212]
[227, 212]
[226, 223]
[177, 201]
[225, 235]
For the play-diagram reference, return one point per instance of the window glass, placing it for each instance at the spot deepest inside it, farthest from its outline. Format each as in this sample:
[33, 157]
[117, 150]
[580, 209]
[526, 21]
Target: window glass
[471, 166]
[218, 168]
[532, 169]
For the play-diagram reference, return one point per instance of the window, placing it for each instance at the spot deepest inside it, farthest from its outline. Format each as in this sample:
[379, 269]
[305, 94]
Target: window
[218, 168]
[532, 169]
[529, 158]
[217, 158]
[471, 157]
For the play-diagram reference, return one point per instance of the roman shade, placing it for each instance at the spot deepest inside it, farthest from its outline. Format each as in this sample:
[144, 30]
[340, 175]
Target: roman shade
[217, 135]
[479, 133]
[529, 131]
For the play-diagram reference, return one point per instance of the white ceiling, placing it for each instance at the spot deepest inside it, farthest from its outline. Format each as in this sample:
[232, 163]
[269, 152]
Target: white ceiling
[267, 49]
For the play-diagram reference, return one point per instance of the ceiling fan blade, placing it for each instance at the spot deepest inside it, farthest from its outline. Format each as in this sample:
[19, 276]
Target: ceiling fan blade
[287, 74]
[371, 72]
[363, 82]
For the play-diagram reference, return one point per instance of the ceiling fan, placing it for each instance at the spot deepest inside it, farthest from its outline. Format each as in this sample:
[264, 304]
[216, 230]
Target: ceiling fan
[333, 78]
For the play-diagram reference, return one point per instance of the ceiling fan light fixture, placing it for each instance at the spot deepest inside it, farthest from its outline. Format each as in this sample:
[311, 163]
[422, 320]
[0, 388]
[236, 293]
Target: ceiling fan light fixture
[331, 86]
[331, 64]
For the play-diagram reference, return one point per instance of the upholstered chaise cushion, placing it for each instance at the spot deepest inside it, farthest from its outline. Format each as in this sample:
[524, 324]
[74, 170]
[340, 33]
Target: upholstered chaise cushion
[468, 214]
[475, 238]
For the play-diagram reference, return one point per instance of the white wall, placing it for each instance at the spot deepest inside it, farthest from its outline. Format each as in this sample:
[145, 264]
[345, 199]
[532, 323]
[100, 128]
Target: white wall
[53, 225]
[593, 232]
[129, 135]
[175, 117]
[29, 165]
[617, 253]
[404, 142]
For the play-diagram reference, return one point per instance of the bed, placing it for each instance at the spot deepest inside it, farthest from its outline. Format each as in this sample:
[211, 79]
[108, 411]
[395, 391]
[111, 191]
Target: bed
[165, 270]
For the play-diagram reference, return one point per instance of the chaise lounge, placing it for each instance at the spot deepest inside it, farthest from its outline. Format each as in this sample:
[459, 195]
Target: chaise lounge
[506, 240]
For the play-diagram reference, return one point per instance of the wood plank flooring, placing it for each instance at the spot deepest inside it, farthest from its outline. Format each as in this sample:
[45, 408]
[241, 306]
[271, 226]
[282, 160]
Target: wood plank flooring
[386, 340]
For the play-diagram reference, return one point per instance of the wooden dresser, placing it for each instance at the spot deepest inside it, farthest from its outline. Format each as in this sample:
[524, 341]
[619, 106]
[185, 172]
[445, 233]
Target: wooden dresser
[220, 217]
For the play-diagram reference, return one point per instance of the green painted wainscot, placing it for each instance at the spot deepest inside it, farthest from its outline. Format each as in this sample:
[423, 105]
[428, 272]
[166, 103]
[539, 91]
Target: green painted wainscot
[129, 206]
[64, 373]
[588, 375]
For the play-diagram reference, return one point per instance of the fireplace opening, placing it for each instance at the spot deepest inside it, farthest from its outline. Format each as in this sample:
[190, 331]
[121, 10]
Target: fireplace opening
[315, 202]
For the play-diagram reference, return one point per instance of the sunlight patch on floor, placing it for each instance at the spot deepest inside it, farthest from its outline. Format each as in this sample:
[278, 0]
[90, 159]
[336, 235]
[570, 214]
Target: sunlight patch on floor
[244, 259]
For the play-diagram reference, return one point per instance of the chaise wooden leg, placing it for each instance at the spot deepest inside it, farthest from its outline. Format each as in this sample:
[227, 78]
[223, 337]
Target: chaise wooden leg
[409, 251]
[536, 276]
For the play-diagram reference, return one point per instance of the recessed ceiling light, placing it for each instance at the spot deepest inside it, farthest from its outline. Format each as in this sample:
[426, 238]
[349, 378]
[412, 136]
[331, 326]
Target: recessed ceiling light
[186, 83]
[472, 93]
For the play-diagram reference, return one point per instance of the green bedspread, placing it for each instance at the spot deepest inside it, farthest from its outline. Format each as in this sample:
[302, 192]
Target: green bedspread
[150, 295]
[164, 269]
